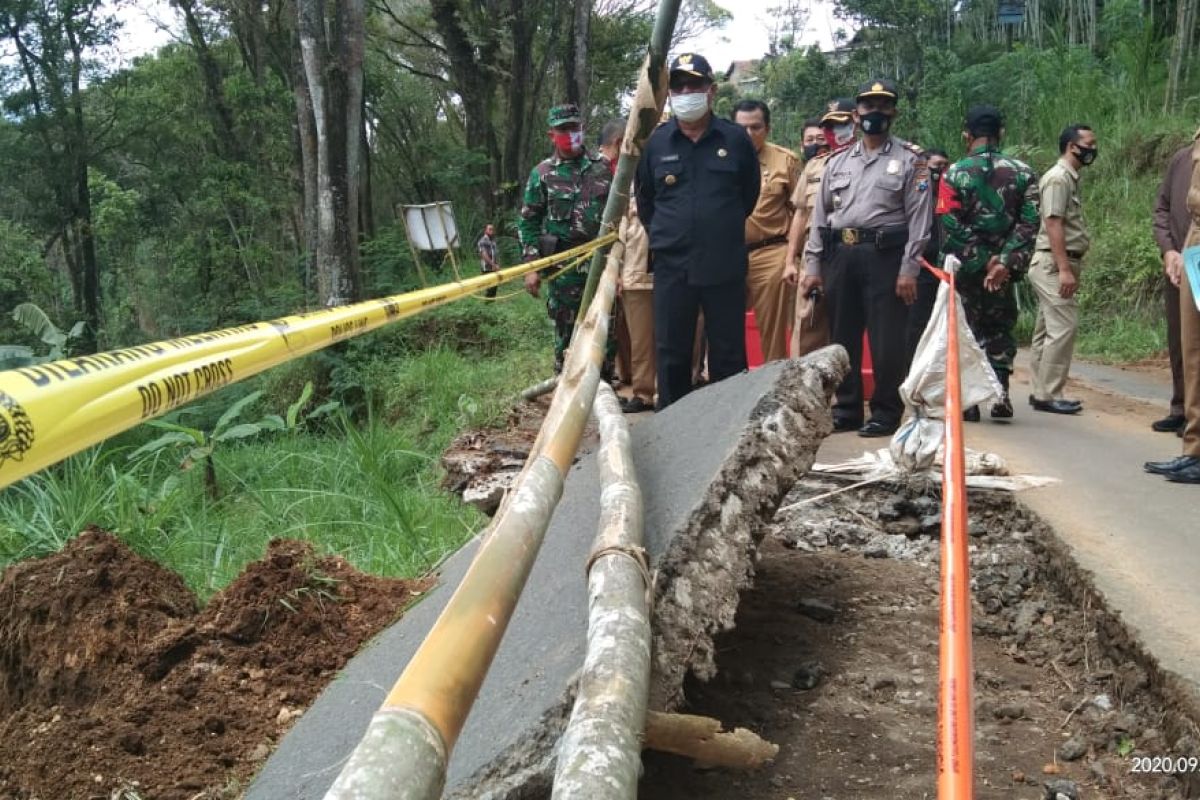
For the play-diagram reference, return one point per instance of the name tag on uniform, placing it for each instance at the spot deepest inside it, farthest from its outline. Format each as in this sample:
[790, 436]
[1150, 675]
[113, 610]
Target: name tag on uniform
[894, 167]
[668, 159]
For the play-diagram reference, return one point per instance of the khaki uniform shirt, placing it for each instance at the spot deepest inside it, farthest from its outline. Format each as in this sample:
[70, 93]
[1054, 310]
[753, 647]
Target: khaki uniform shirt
[773, 213]
[888, 188]
[1059, 188]
[804, 198]
[1193, 198]
[637, 251]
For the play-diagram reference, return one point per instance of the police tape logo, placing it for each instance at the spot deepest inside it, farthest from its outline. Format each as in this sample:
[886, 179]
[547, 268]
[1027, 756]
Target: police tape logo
[16, 431]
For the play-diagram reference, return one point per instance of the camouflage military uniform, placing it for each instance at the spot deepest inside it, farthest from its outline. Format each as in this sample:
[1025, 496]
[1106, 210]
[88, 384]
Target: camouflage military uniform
[564, 198]
[989, 207]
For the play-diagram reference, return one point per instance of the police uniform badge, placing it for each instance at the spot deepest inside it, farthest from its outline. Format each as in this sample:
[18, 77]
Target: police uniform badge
[894, 167]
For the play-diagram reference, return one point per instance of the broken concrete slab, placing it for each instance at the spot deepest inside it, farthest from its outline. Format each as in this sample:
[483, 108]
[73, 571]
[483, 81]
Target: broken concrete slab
[713, 468]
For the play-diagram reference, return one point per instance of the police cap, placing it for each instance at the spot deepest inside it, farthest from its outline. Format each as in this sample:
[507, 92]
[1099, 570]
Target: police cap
[838, 112]
[880, 87]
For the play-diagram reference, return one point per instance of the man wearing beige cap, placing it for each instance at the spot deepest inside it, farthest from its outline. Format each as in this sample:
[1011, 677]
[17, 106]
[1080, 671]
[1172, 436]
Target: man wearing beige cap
[834, 132]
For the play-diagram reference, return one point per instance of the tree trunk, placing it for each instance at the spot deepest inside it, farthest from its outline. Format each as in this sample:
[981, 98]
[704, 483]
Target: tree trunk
[473, 65]
[85, 231]
[521, 75]
[582, 64]
[220, 114]
[333, 73]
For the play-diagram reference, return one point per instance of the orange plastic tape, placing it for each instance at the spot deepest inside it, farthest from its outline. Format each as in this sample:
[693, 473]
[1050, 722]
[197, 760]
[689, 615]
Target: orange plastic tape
[956, 723]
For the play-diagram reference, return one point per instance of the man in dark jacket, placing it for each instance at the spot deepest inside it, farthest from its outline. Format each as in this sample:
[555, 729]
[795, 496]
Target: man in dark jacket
[697, 181]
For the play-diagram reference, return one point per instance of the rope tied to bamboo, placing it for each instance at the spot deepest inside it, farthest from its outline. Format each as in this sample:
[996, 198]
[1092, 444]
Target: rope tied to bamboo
[634, 553]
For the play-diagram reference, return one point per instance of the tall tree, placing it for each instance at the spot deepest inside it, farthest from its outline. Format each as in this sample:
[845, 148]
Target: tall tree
[53, 43]
[332, 39]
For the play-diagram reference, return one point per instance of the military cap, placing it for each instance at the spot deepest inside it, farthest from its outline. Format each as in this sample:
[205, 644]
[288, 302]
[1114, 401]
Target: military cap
[838, 111]
[563, 114]
[880, 87]
[692, 64]
[984, 120]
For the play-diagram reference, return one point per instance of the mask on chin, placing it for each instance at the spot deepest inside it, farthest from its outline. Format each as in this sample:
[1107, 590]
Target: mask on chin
[838, 135]
[690, 107]
[876, 122]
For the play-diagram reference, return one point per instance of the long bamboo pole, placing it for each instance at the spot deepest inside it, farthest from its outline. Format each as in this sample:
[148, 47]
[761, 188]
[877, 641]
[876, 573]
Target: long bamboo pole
[600, 753]
[404, 753]
[648, 102]
[434, 694]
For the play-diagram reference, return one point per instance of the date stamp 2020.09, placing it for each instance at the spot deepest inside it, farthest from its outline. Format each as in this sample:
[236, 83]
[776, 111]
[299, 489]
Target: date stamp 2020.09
[1165, 765]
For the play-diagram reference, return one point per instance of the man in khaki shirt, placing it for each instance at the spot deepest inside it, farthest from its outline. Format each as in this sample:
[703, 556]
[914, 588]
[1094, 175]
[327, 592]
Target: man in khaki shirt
[637, 295]
[1186, 468]
[766, 231]
[831, 134]
[1054, 271]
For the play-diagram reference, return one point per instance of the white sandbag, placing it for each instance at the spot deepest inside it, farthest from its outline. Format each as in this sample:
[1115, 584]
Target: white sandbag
[915, 444]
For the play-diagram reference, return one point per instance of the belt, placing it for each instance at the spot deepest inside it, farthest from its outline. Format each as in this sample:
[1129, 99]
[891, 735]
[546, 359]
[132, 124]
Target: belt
[877, 236]
[773, 240]
[1075, 254]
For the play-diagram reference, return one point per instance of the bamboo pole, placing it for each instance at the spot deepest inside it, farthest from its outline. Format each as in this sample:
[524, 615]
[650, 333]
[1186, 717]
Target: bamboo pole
[600, 752]
[538, 389]
[703, 740]
[648, 102]
[442, 679]
[408, 742]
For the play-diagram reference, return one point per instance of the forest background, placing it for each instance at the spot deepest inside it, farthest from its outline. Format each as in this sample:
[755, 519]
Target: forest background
[184, 192]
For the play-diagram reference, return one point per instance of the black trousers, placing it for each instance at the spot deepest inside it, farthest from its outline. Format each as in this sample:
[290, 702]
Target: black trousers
[1174, 347]
[860, 283]
[677, 304]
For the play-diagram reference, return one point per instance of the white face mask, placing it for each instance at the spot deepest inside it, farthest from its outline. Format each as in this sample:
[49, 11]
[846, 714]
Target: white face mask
[576, 140]
[690, 107]
[843, 133]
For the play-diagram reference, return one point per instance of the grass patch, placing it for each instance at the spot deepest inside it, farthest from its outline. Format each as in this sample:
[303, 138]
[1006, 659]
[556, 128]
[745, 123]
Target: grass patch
[365, 488]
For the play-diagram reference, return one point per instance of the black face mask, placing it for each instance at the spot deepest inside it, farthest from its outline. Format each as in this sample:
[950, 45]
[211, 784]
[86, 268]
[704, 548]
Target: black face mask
[1086, 155]
[875, 122]
[935, 175]
[811, 151]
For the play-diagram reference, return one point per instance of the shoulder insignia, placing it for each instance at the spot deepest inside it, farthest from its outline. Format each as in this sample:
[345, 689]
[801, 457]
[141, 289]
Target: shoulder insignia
[913, 147]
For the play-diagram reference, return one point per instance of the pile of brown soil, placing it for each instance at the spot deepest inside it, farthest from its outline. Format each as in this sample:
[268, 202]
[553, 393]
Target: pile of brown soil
[113, 684]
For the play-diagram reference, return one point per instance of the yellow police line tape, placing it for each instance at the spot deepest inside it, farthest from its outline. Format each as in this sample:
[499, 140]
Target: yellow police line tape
[51, 411]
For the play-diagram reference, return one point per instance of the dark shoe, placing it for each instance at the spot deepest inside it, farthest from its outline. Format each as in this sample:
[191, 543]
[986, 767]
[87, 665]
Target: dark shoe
[634, 405]
[1172, 466]
[874, 429]
[1003, 409]
[1033, 401]
[1187, 474]
[842, 425]
[971, 414]
[1169, 424]
[1056, 406]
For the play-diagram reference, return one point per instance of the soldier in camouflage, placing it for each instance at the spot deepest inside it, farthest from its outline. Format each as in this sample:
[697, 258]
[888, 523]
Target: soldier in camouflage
[563, 205]
[988, 204]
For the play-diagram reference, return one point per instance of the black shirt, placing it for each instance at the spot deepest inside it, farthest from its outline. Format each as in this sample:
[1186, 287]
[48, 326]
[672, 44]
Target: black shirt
[693, 199]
